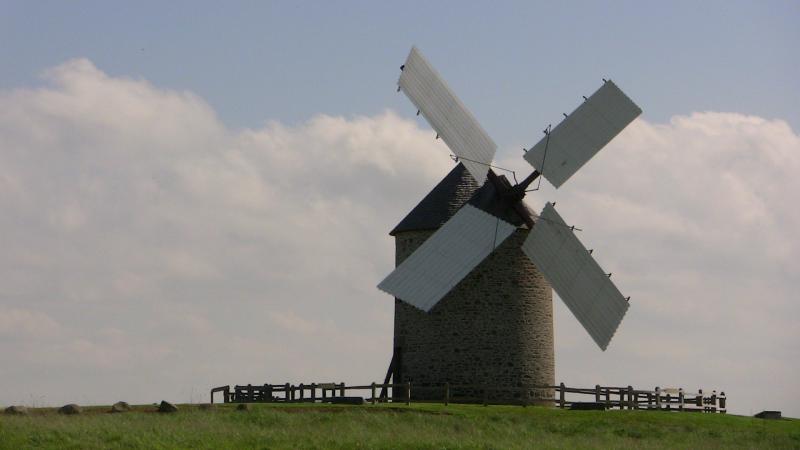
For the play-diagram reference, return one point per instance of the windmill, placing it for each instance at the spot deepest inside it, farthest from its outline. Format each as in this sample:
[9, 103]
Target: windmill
[492, 230]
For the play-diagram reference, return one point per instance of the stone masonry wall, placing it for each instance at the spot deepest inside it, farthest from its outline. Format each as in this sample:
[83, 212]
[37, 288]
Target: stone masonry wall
[495, 328]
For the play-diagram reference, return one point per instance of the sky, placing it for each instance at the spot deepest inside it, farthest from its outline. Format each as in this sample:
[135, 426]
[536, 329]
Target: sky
[198, 195]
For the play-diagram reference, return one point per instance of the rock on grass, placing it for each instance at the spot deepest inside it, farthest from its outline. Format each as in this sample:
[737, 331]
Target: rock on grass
[167, 407]
[120, 407]
[16, 411]
[70, 409]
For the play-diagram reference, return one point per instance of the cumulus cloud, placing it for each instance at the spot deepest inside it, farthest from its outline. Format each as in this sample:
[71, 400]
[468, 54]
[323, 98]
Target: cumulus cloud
[146, 244]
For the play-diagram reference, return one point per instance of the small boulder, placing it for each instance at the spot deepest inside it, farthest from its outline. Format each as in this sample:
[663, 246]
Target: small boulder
[587, 406]
[243, 407]
[120, 407]
[167, 407]
[346, 400]
[16, 411]
[773, 415]
[207, 406]
[70, 409]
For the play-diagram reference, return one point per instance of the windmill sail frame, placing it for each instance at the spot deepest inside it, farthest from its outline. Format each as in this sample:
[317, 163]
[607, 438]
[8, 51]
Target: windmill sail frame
[453, 122]
[474, 232]
[574, 141]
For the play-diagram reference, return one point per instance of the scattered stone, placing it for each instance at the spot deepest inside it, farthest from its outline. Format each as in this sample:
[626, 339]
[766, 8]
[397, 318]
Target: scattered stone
[243, 407]
[70, 409]
[346, 400]
[769, 415]
[167, 407]
[120, 407]
[17, 411]
[587, 406]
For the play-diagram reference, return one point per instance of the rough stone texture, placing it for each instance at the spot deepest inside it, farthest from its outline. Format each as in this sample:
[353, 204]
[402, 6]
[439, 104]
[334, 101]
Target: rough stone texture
[16, 410]
[120, 407]
[243, 407]
[70, 409]
[167, 407]
[495, 328]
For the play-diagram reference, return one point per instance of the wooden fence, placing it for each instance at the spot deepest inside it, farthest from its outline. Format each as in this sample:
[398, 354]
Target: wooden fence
[599, 397]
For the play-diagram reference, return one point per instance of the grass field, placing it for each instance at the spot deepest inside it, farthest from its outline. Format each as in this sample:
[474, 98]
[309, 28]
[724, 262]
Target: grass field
[390, 426]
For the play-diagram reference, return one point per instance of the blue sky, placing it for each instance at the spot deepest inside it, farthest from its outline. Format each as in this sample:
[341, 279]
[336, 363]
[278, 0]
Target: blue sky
[183, 186]
[257, 61]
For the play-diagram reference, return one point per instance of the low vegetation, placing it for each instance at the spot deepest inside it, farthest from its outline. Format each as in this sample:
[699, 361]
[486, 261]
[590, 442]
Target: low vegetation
[388, 426]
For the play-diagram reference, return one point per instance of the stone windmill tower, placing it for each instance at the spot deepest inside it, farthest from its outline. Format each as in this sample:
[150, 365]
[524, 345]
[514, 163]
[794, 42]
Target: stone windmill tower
[495, 327]
[472, 286]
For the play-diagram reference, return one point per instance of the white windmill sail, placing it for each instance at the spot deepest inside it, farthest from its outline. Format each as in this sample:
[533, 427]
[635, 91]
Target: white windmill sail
[577, 278]
[446, 257]
[582, 134]
[447, 115]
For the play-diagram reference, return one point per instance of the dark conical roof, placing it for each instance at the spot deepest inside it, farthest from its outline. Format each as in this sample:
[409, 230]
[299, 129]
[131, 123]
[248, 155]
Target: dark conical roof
[441, 203]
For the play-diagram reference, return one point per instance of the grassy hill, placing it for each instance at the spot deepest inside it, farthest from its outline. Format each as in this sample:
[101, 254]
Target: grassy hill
[390, 426]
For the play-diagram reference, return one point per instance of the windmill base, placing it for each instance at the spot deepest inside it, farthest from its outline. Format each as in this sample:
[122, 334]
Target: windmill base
[489, 340]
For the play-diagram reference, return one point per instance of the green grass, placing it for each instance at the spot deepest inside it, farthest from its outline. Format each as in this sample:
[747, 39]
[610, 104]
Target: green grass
[387, 426]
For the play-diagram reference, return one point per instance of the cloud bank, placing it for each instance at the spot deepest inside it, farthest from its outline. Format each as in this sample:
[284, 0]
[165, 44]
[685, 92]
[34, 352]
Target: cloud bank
[151, 252]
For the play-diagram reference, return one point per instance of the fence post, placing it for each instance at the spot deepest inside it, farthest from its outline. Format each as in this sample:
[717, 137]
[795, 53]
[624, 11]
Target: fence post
[561, 395]
[341, 390]
[373, 392]
[631, 404]
[714, 401]
[608, 398]
[699, 399]
[658, 397]
[446, 393]
[597, 393]
[408, 393]
[722, 398]
[314, 392]
[680, 399]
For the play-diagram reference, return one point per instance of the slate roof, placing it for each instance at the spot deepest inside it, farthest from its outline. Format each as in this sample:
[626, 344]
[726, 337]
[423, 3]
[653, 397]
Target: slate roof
[446, 198]
[441, 203]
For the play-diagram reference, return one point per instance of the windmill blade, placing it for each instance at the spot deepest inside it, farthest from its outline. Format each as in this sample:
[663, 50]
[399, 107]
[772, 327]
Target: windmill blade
[446, 257]
[577, 278]
[447, 115]
[582, 134]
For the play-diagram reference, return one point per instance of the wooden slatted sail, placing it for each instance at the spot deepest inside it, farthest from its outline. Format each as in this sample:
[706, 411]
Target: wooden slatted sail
[446, 257]
[582, 134]
[447, 115]
[575, 276]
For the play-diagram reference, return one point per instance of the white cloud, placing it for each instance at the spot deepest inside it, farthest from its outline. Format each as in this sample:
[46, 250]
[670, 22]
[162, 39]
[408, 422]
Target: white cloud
[22, 324]
[165, 247]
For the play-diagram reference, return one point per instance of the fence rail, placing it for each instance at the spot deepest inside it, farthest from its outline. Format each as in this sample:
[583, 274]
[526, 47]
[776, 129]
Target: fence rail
[600, 397]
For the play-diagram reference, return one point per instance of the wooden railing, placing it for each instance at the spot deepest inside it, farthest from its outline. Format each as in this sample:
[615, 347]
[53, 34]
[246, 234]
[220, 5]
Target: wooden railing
[599, 397]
